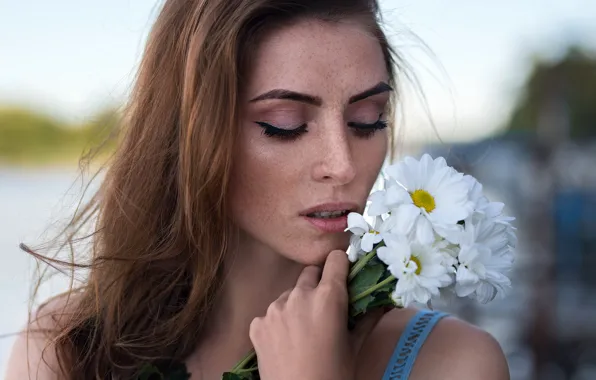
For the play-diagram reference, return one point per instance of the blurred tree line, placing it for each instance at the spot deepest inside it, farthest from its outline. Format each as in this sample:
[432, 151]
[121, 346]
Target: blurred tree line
[29, 138]
[559, 96]
[557, 99]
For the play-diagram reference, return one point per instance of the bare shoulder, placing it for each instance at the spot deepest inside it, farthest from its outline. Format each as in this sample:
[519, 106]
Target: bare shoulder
[33, 354]
[454, 350]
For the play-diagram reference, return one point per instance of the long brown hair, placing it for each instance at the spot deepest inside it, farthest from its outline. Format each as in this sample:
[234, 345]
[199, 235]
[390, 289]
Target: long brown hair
[160, 224]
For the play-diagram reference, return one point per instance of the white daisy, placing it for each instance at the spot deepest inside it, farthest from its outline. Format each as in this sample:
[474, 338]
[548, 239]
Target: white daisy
[486, 252]
[364, 236]
[483, 208]
[429, 197]
[449, 253]
[416, 266]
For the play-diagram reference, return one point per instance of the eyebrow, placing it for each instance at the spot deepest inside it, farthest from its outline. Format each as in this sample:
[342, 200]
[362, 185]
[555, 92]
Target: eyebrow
[375, 90]
[316, 100]
[289, 95]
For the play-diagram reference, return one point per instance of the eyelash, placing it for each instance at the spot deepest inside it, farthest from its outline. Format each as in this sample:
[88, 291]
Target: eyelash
[362, 130]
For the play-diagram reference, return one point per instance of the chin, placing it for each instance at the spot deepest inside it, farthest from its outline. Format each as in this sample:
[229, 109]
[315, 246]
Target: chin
[315, 253]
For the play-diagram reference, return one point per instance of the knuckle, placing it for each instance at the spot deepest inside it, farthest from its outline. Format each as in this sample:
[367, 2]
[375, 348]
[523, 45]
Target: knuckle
[255, 327]
[331, 298]
[333, 290]
[298, 292]
[298, 297]
[275, 308]
[328, 288]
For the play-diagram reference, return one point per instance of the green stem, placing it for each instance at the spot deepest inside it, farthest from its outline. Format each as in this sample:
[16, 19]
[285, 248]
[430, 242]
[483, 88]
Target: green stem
[361, 263]
[251, 369]
[370, 290]
[238, 368]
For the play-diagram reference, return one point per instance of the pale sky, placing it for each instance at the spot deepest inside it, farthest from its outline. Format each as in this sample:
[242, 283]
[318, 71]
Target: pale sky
[70, 57]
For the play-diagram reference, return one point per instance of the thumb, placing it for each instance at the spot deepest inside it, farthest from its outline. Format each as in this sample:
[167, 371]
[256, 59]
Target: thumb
[366, 325]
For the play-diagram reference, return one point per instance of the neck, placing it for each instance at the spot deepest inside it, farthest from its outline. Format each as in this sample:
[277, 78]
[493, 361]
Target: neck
[255, 277]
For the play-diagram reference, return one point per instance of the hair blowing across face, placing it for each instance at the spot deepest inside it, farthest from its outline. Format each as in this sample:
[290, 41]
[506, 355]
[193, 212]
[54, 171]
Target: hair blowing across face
[161, 219]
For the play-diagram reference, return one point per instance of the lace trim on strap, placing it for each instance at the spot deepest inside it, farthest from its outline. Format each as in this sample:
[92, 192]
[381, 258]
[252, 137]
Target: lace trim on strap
[411, 341]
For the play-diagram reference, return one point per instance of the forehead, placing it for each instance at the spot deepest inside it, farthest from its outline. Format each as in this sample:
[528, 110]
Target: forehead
[323, 58]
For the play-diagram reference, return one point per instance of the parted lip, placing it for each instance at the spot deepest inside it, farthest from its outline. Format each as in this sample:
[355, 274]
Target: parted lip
[332, 206]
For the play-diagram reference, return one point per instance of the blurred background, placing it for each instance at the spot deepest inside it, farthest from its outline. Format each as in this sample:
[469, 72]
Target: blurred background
[507, 93]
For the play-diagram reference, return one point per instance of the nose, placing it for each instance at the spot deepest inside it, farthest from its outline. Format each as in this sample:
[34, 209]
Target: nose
[334, 162]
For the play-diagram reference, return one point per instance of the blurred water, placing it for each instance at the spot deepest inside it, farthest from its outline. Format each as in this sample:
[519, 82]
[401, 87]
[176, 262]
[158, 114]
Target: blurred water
[30, 200]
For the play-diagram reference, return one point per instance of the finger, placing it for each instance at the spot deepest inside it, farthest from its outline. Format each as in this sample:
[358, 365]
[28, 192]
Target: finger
[284, 296]
[309, 278]
[336, 268]
[365, 326]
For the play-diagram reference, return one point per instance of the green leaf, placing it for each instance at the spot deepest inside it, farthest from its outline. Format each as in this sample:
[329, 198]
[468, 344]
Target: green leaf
[241, 376]
[382, 298]
[366, 278]
[388, 288]
[232, 376]
[361, 306]
[177, 372]
[149, 372]
[174, 371]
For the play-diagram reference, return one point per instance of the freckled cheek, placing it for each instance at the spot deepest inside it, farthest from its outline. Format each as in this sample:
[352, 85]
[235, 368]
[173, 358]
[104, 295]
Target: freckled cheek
[261, 184]
[369, 157]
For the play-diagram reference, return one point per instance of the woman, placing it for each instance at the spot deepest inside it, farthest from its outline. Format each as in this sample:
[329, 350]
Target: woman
[253, 128]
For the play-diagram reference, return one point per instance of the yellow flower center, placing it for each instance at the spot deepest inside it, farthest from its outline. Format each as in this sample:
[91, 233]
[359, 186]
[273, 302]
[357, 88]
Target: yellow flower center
[418, 265]
[423, 199]
[373, 232]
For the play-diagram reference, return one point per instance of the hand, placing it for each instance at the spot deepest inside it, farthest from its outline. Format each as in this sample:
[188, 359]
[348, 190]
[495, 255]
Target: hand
[304, 334]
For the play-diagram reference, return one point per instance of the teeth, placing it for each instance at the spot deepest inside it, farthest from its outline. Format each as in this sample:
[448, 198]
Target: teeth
[328, 214]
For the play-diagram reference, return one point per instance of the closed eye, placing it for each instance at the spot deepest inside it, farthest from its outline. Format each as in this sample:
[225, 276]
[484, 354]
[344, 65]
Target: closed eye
[282, 133]
[367, 130]
[363, 130]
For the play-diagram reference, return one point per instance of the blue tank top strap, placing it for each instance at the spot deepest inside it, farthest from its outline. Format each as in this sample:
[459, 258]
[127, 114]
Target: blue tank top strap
[405, 353]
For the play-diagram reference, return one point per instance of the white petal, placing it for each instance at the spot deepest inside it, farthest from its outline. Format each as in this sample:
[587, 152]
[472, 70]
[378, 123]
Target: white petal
[485, 292]
[398, 244]
[368, 240]
[398, 300]
[438, 180]
[464, 290]
[446, 280]
[421, 295]
[450, 232]
[475, 188]
[498, 279]
[404, 172]
[393, 262]
[397, 195]
[449, 214]
[402, 220]
[405, 284]
[377, 204]
[357, 224]
[433, 270]
[493, 209]
[353, 253]
[424, 230]
[440, 163]
[355, 242]
[472, 254]
[426, 170]
[466, 277]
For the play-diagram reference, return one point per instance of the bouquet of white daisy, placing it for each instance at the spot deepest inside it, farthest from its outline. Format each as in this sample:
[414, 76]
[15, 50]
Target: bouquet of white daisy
[434, 235]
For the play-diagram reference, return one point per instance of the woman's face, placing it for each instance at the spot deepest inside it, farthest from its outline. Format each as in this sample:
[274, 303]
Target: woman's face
[312, 137]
